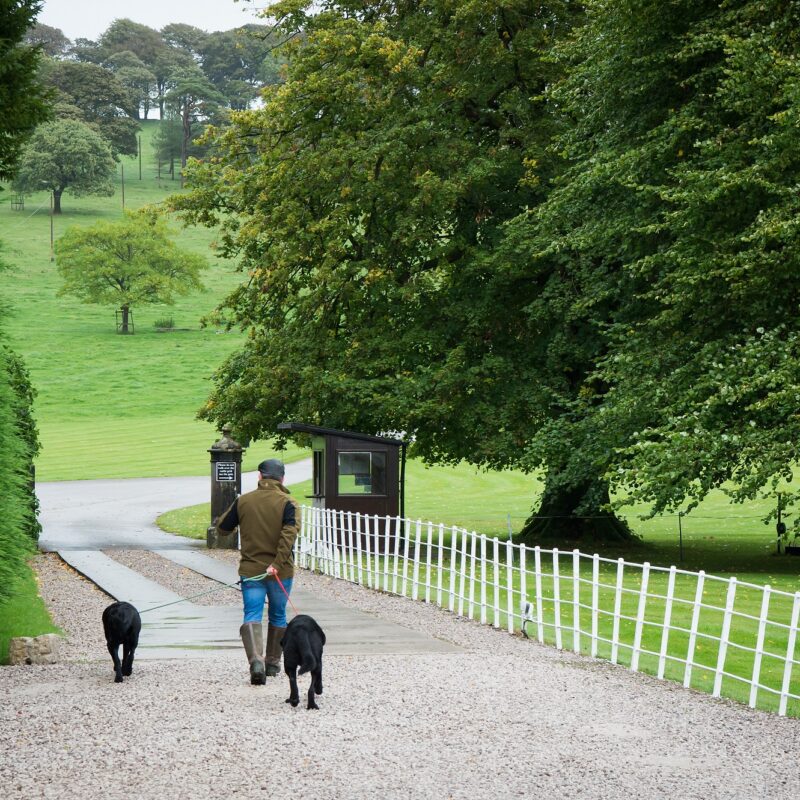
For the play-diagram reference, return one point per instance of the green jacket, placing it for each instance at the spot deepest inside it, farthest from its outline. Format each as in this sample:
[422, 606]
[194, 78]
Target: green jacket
[269, 521]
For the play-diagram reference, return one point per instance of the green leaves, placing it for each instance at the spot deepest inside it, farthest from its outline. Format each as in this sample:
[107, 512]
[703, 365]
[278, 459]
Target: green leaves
[684, 191]
[126, 263]
[23, 99]
[525, 237]
[66, 154]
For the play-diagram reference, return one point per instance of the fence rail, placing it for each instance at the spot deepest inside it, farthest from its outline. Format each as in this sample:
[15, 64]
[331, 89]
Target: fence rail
[730, 638]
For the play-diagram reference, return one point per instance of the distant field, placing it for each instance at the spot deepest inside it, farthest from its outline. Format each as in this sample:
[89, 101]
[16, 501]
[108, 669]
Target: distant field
[111, 405]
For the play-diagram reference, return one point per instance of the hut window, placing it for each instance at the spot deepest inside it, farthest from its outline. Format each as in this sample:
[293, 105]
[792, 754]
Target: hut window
[362, 473]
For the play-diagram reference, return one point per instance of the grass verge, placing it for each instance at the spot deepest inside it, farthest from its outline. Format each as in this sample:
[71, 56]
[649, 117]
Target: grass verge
[23, 614]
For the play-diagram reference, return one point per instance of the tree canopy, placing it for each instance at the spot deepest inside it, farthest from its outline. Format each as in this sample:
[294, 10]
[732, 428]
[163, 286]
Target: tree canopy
[105, 103]
[52, 41]
[194, 101]
[22, 97]
[66, 155]
[126, 264]
[368, 197]
[557, 237]
[682, 195]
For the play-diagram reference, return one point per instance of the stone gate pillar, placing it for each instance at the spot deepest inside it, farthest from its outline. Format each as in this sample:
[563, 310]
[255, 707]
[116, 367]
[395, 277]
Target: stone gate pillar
[226, 486]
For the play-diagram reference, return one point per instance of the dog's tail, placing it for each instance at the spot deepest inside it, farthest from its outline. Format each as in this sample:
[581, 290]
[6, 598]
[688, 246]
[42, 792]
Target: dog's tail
[307, 659]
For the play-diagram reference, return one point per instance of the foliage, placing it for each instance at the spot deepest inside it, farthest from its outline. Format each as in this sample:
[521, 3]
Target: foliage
[238, 61]
[126, 35]
[681, 196]
[52, 41]
[368, 198]
[133, 66]
[194, 101]
[16, 533]
[22, 106]
[136, 78]
[23, 99]
[19, 380]
[66, 155]
[168, 140]
[157, 56]
[105, 103]
[605, 287]
[127, 263]
[184, 37]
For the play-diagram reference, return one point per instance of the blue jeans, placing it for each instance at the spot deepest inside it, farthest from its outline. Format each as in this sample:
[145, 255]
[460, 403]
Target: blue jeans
[254, 595]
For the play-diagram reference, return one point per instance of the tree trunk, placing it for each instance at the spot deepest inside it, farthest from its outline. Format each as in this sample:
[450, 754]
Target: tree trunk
[57, 200]
[186, 138]
[556, 520]
[124, 326]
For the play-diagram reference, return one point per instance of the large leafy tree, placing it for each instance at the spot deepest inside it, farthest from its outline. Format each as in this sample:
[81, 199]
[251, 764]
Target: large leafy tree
[52, 41]
[367, 200]
[683, 187]
[105, 103]
[621, 315]
[126, 264]
[184, 37]
[195, 102]
[66, 155]
[126, 35]
[238, 61]
[136, 78]
[23, 99]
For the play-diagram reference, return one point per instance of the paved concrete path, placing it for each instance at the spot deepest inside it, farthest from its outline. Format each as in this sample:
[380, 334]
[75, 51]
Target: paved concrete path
[82, 518]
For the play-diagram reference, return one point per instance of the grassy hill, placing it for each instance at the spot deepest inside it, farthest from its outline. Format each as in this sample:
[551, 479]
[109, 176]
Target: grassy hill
[111, 405]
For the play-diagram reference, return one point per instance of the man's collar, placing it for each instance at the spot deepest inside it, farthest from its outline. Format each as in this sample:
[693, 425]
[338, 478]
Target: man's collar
[269, 483]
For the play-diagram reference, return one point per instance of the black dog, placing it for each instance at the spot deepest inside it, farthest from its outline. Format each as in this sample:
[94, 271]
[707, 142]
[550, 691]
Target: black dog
[302, 647]
[122, 623]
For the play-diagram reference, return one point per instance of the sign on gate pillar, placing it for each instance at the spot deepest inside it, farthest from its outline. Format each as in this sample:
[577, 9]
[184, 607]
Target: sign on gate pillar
[226, 486]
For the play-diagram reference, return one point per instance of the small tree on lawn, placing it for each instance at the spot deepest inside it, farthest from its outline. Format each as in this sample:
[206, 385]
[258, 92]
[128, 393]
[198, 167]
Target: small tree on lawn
[127, 263]
[66, 154]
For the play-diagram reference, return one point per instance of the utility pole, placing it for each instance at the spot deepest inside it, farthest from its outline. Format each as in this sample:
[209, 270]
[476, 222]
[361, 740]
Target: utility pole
[52, 203]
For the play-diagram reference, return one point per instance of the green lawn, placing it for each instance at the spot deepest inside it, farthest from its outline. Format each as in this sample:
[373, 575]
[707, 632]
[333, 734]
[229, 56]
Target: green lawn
[111, 405]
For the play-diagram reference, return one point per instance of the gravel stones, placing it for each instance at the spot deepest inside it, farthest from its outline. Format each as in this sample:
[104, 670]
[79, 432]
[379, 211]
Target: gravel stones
[501, 718]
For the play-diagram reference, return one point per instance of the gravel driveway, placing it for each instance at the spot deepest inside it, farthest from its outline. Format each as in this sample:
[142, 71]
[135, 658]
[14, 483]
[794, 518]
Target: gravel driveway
[502, 718]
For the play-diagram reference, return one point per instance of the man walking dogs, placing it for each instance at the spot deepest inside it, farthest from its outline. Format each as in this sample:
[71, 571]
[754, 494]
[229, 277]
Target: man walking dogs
[268, 520]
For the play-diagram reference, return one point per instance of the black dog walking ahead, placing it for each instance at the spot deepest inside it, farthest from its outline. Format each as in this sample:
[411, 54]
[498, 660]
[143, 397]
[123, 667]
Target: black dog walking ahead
[122, 623]
[302, 647]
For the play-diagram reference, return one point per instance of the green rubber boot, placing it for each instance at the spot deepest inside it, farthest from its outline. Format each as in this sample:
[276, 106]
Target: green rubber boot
[252, 634]
[274, 650]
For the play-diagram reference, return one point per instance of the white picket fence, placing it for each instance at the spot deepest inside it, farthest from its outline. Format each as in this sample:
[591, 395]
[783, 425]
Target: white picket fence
[651, 619]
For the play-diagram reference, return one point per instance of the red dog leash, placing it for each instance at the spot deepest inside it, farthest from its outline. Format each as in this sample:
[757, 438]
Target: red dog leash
[280, 583]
